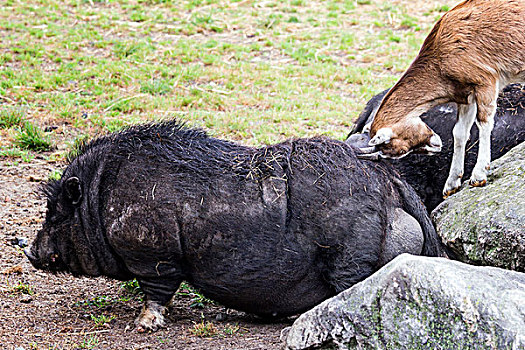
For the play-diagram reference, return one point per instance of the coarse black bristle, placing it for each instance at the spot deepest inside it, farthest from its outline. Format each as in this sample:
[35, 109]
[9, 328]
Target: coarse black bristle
[163, 130]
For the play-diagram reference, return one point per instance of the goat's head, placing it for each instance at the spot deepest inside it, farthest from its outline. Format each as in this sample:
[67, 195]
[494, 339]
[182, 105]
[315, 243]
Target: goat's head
[404, 137]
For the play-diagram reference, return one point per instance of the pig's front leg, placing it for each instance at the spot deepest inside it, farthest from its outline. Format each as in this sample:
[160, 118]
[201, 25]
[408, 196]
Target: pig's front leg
[158, 294]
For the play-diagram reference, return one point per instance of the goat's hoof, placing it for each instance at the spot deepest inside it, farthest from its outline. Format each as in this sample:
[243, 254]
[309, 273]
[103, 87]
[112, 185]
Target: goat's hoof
[452, 185]
[478, 183]
[449, 193]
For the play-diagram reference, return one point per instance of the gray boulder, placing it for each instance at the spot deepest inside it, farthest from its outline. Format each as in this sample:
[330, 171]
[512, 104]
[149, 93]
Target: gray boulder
[486, 225]
[419, 303]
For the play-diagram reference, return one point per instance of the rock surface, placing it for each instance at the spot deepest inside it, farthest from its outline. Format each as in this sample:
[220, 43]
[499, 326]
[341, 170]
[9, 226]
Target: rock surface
[486, 225]
[419, 303]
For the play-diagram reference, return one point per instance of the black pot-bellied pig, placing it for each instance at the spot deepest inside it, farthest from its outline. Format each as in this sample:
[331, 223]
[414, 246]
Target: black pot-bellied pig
[428, 174]
[272, 231]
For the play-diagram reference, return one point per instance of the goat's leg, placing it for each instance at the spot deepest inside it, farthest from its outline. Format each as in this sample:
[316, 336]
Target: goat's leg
[487, 104]
[479, 174]
[461, 132]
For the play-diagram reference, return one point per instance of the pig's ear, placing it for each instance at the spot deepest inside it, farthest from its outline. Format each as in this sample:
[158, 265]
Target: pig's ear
[73, 189]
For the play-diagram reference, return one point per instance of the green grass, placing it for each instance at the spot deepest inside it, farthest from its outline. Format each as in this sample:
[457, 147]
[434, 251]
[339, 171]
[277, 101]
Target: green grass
[130, 292]
[55, 175]
[99, 302]
[232, 329]
[13, 152]
[11, 116]
[23, 288]
[207, 329]
[132, 287]
[204, 329]
[254, 72]
[31, 137]
[101, 320]
[76, 145]
[196, 298]
[89, 342]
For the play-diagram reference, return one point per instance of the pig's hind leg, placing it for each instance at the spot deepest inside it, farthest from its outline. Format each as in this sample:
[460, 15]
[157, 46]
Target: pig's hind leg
[158, 292]
[404, 235]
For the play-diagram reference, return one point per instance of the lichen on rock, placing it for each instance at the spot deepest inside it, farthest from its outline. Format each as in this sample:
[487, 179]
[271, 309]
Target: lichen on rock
[486, 225]
[419, 303]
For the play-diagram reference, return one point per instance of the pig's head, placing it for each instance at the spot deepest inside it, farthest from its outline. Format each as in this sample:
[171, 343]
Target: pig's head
[72, 238]
[51, 249]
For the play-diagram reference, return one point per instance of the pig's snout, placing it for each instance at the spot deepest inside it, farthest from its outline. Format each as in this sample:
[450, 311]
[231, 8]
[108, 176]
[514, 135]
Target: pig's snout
[30, 256]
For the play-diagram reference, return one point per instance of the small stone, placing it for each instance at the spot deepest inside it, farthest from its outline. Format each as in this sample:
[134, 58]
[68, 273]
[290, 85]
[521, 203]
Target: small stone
[50, 128]
[12, 270]
[26, 299]
[221, 317]
[20, 241]
[35, 179]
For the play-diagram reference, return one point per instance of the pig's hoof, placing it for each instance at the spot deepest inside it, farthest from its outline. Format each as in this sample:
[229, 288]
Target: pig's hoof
[151, 318]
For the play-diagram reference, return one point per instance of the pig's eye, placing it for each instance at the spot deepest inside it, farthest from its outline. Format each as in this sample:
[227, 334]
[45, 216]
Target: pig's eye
[53, 258]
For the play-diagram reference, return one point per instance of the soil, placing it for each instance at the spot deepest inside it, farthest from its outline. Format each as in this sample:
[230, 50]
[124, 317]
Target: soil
[41, 310]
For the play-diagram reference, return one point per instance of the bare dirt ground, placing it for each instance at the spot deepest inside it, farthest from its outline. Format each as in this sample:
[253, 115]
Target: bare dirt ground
[40, 310]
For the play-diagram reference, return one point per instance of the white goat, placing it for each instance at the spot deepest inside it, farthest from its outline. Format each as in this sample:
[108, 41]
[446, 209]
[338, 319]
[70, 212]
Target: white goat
[472, 52]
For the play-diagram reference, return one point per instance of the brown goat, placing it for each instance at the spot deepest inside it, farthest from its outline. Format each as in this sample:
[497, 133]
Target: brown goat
[473, 51]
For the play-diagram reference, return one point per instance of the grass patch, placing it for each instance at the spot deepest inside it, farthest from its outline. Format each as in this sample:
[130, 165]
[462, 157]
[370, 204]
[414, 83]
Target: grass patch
[100, 302]
[31, 137]
[55, 175]
[132, 287]
[106, 302]
[11, 116]
[204, 329]
[23, 288]
[101, 320]
[232, 329]
[76, 146]
[197, 299]
[89, 342]
[12, 152]
[156, 87]
[252, 72]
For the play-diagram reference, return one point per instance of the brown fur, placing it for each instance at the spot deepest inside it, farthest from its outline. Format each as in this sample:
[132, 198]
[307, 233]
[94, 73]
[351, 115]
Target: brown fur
[465, 54]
